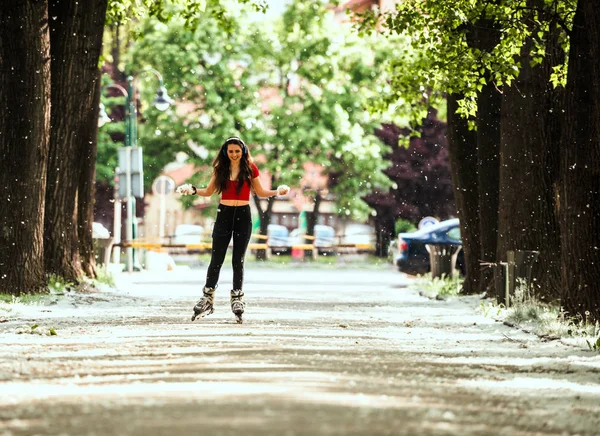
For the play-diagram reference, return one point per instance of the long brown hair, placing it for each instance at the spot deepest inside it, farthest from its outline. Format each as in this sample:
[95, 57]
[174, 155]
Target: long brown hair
[222, 166]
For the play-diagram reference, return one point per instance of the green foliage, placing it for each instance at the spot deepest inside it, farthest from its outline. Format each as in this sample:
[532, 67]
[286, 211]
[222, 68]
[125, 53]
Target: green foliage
[192, 11]
[438, 287]
[209, 74]
[191, 14]
[107, 153]
[549, 320]
[490, 309]
[103, 277]
[296, 91]
[594, 346]
[58, 285]
[543, 319]
[23, 299]
[35, 329]
[404, 226]
[458, 45]
[324, 76]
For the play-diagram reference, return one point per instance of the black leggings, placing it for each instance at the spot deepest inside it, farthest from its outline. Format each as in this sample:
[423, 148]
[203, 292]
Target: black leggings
[231, 221]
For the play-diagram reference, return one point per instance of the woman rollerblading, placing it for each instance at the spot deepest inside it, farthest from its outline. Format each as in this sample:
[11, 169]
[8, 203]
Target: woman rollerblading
[234, 174]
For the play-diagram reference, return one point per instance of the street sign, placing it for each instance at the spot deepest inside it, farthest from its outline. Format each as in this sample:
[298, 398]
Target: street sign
[163, 185]
[427, 221]
[132, 158]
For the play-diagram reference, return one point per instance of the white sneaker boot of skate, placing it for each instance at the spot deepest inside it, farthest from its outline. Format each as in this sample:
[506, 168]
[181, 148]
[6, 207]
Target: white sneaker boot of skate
[204, 306]
[237, 304]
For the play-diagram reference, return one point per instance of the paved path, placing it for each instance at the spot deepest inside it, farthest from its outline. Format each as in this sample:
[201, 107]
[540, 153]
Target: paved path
[322, 352]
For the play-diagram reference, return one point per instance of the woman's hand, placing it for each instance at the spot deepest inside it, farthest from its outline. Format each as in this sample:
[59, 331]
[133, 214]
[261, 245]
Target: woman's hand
[186, 189]
[283, 189]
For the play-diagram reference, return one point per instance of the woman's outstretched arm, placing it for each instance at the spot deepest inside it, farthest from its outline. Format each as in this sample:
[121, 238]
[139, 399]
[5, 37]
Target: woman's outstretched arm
[209, 190]
[264, 193]
[188, 189]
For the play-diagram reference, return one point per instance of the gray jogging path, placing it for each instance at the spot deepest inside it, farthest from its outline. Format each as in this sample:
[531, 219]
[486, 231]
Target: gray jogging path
[322, 352]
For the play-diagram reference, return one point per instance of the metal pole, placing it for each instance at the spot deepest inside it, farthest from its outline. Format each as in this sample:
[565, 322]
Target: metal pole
[129, 143]
[117, 232]
[510, 276]
[117, 223]
[163, 212]
[129, 224]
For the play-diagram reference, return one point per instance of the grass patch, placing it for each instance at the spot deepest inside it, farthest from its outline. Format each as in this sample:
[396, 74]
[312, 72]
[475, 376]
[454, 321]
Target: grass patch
[543, 319]
[58, 285]
[103, 278]
[25, 298]
[439, 288]
[37, 330]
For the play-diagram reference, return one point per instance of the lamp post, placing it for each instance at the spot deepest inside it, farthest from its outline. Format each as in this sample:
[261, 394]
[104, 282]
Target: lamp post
[162, 102]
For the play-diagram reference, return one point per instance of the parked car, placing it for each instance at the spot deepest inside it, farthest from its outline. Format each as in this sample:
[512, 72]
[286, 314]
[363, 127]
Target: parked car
[412, 256]
[277, 238]
[324, 238]
[359, 237]
[188, 234]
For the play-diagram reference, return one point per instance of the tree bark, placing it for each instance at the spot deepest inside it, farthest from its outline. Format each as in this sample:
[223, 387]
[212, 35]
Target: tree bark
[488, 169]
[580, 168]
[386, 208]
[528, 167]
[462, 144]
[265, 220]
[115, 51]
[385, 231]
[86, 192]
[24, 130]
[312, 218]
[76, 42]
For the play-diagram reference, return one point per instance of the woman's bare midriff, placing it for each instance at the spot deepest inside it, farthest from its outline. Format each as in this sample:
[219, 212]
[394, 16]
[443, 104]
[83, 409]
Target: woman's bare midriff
[234, 203]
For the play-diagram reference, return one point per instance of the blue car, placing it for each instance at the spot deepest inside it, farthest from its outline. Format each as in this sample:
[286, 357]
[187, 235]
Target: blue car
[412, 256]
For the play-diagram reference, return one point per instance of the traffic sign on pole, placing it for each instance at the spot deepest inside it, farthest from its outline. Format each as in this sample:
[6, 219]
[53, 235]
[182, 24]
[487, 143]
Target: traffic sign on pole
[428, 221]
[131, 165]
[163, 185]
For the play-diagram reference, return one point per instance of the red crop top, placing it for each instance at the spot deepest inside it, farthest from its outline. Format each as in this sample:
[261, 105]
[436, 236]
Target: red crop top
[230, 192]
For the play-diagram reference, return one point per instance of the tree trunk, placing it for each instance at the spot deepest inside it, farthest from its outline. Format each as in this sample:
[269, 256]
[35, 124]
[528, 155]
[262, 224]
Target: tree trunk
[313, 217]
[485, 35]
[462, 144]
[488, 169]
[76, 42]
[24, 130]
[265, 220]
[86, 192]
[385, 231]
[115, 51]
[386, 210]
[580, 169]
[528, 167]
